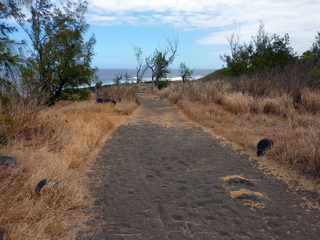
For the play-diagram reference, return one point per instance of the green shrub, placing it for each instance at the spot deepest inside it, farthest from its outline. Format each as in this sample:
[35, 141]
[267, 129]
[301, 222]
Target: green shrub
[163, 84]
[262, 53]
[76, 95]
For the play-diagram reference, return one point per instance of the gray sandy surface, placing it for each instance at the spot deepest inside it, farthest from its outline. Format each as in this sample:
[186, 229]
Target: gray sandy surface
[160, 177]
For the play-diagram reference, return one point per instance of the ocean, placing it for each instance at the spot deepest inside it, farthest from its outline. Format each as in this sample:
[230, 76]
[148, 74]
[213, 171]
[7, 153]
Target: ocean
[107, 75]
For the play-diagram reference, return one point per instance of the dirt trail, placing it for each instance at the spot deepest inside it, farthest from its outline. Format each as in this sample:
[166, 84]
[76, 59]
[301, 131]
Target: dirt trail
[160, 178]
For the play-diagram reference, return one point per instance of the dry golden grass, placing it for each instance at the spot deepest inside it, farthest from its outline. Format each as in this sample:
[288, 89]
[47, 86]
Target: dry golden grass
[237, 103]
[280, 106]
[12, 124]
[299, 148]
[311, 100]
[237, 179]
[59, 145]
[120, 93]
[242, 120]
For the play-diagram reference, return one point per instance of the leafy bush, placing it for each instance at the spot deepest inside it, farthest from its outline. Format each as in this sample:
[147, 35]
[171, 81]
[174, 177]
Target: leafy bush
[264, 52]
[61, 54]
[163, 84]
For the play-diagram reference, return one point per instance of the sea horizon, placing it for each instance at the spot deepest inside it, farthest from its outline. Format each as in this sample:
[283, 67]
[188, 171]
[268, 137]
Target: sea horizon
[107, 75]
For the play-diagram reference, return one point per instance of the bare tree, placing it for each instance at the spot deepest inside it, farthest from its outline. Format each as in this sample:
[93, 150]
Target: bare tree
[185, 72]
[141, 67]
[150, 63]
[160, 61]
[117, 79]
[127, 78]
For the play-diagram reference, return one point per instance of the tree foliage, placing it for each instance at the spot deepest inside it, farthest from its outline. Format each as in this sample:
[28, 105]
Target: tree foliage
[61, 57]
[8, 56]
[262, 53]
[313, 54]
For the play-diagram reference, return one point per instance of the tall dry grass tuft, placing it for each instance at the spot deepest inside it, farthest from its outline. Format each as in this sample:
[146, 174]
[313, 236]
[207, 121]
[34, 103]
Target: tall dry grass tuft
[121, 93]
[62, 142]
[16, 117]
[280, 106]
[299, 148]
[237, 103]
[310, 100]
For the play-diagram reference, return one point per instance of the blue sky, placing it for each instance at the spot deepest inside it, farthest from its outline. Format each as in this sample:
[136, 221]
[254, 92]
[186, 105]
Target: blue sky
[201, 26]
[115, 45]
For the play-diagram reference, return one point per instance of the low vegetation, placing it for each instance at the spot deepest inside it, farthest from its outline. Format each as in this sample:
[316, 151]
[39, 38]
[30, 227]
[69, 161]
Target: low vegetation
[48, 122]
[245, 119]
[57, 144]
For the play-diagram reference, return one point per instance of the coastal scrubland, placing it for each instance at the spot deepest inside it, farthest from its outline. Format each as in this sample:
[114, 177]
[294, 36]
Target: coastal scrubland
[59, 144]
[265, 90]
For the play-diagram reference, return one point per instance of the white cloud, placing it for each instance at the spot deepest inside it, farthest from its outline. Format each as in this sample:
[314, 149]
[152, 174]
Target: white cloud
[299, 18]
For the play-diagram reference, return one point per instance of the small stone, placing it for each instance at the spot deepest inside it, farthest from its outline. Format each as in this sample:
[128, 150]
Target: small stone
[46, 185]
[8, 161]
[263, 146]
[41, 185]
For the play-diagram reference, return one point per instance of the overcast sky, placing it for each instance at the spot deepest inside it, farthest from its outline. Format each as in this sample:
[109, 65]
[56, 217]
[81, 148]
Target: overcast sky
[202, 26]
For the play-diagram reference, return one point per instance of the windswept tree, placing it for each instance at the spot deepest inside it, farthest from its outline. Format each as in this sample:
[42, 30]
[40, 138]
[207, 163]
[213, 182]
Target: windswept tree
[73, 55]
[141, 68]
[160, 61]
[61, 57]
[185, 72]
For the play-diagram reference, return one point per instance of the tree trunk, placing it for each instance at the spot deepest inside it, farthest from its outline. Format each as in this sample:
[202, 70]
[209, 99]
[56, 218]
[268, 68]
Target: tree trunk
[152, 82]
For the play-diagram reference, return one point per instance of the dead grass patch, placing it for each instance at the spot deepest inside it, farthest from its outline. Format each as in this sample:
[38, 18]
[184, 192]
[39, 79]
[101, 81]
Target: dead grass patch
[63, 141]
[280, 106]
[249, 198]
[311, 100]
[237, 103]
[237, 179]
[120, 93]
